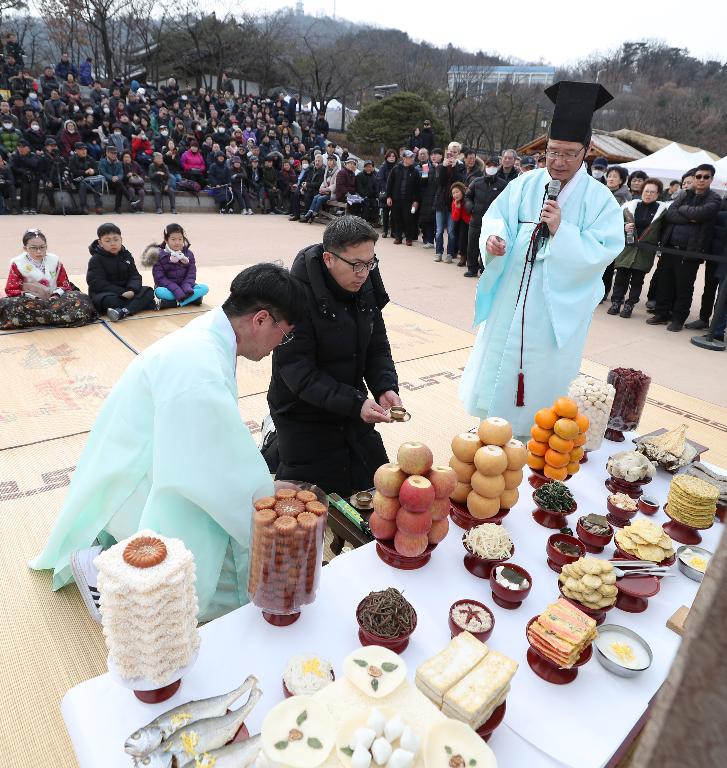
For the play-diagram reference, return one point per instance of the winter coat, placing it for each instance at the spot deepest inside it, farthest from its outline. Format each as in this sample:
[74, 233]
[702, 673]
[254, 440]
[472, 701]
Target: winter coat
[78, 166]
[633, 257]
[158, 175]
[319, 381]
[428, 191]
[698, 213]
[218, 174]
[411, 178]
[110, 275]
[427, 139]
[622, 195]
[383, 174]
[109, 169]
[508, 176]
[481, 193]
[35, 139]
[314, 179]
[345, 183]
[24, 166]
[193, 161]
[367, 185]
[139, 147]
[67, 141]
[9, 140]
[85, 74]
[64, 68]
[177, 277]
[447, 175]
[477, 171]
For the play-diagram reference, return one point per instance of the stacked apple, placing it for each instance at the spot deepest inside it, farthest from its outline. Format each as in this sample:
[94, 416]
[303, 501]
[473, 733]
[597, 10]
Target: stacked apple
[489, 468]
[411, 502]
[558, 437]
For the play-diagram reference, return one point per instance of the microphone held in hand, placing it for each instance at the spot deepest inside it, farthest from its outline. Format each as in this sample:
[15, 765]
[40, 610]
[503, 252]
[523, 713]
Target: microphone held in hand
[553, 189]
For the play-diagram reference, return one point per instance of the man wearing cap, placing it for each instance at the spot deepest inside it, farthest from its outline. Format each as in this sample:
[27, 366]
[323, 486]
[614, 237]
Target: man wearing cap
[85, 175]
[599, 168]
[527, 163]
[53, 173]
[402, 196]
[367, 186]
[546, 245]
[24, 164]
[111, 168]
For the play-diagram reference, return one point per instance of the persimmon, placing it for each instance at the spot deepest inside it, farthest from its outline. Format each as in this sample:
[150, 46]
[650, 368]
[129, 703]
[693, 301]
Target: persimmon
[537, 448]
[546, 417]
[582, 422]
[535, 462]
[559, 444]
[565, 407]
[540, 434]
[576, 454]
[556, 459]
[580, 440]
[566, 428]
[573, 467]
[555, 473]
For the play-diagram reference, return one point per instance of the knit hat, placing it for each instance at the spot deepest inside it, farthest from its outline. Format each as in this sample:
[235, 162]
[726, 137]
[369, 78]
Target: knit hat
[600, 162]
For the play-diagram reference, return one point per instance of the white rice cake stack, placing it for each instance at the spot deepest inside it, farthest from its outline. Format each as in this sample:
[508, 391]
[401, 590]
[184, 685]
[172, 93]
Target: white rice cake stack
[437, 675]
[477, 695]
[149, 615]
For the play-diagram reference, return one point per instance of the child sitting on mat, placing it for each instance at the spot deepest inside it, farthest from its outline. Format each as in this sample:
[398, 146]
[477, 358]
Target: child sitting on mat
[175, 270]
[114, 282]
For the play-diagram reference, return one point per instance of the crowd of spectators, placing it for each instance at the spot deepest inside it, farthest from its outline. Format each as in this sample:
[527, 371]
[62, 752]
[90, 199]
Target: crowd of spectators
[66, 132]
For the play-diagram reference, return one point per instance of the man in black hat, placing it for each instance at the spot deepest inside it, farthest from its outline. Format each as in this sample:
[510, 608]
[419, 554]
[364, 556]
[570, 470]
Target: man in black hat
[546, 239]
[402, 196]
[111, 168]
[85, 175]
[24, 164]
[7, 188]
[54, 174]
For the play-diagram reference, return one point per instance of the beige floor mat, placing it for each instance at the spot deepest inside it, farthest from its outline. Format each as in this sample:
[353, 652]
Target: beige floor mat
[54, 381]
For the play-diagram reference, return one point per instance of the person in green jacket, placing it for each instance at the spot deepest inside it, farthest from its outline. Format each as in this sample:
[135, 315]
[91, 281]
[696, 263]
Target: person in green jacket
[643, 222]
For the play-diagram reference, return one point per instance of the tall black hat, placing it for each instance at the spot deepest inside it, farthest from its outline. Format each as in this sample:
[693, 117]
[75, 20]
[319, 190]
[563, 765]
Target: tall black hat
[575, 104]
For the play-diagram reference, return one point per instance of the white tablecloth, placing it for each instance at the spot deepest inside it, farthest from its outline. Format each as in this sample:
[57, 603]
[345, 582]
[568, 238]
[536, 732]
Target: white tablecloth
[578, 725]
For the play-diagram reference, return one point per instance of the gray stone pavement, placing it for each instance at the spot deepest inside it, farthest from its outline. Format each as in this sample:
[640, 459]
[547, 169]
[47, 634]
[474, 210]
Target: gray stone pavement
[412, 279]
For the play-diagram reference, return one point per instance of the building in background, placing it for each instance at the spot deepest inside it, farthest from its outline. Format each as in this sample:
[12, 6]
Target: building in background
[478, 79]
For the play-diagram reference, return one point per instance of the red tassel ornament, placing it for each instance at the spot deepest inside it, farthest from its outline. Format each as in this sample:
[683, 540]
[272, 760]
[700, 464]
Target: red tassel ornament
[520, 399]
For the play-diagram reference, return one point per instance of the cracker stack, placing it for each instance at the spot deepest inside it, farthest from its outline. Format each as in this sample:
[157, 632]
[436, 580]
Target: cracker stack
[692, 501]
[474, 698]
[645, 540]
[437, 675]
[561, 633]
[590, 581]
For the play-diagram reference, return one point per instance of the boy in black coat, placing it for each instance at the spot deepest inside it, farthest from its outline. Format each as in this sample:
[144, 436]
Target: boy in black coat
[114, 282]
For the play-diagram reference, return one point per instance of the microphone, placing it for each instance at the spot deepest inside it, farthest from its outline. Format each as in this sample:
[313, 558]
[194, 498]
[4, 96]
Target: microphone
[552, 190]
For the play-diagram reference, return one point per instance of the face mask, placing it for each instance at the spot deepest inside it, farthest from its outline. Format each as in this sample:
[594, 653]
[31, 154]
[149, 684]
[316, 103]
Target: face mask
[305, 166]
[598, 174]
[106, 110]
[117, 133]
[490, 171]
[34, 127]
[220, 130]
[7, 126]
[164, 132]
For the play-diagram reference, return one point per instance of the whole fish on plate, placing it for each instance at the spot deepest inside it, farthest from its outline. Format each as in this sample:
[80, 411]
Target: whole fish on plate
[239, 755]
[199, 737]
[148, 738]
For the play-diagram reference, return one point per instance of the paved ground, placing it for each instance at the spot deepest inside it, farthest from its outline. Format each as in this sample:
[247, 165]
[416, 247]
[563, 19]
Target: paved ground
[412, 279]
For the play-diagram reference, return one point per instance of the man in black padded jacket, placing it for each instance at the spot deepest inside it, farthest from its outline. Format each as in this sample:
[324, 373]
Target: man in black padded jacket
[336, 378]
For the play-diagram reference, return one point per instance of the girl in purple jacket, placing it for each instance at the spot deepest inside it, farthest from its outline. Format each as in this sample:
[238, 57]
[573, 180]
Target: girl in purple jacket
[175, 271]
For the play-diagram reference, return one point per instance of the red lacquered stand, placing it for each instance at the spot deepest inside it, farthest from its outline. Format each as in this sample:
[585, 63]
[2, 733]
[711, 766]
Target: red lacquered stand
[549, 671]
[481, 567]
[614, 435]
[592, 542]
[158, 695]
[632, 489]
[634, 593]
[460, 516]
[537, 479]
[617, 516]
[281, 620]
[619, 554]
[597, 614]
[396, 644]
[681, 532]
[510, 598]
[386, 552]
[486, 730]
[550, 519]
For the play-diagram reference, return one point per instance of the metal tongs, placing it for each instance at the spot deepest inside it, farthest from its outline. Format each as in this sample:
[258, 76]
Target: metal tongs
[624, 568]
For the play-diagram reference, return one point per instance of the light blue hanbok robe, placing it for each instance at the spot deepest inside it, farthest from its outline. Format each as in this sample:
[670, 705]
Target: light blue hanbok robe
[565, 289]
[169, 452]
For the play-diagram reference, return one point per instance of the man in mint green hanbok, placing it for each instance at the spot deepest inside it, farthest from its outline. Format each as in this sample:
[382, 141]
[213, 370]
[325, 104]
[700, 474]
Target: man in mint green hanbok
[547, 239]
[169, 451]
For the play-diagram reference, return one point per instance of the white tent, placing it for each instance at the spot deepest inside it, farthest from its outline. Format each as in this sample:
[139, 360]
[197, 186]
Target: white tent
[720, 180]
[670, 162]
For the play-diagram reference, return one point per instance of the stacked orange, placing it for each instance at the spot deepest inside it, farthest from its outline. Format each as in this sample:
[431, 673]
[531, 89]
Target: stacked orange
[558, 437]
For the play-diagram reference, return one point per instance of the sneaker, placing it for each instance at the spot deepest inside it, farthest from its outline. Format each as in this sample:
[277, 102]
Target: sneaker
[114, 315]
[627, 310]
[675, 326]
[470, 274]
[429, 245]
[437, 257]
[384, 234]
[650, 306]
[250, 212]
[697, 325]
[85, 575]
[26, 211]
[159, 210]
[174, 211]
[657, 320]
[33, 212]
[447, 259]
[615, 308]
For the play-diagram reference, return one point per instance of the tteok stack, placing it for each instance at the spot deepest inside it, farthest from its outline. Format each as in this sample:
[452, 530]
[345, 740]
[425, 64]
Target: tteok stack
[148, 606]
[561, 633]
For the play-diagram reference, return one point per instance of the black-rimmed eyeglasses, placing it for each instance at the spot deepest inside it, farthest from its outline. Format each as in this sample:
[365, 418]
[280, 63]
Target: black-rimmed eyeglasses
[358, 267]
[287, 337]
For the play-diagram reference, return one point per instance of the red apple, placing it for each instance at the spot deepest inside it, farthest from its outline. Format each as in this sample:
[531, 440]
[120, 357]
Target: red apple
[416, 493]
[444, 480]
[439, 508]
[413, 523]
[414, 458]
[388, 479]
[386, 507]
[410, 546]
[438, 531]
[384, 530]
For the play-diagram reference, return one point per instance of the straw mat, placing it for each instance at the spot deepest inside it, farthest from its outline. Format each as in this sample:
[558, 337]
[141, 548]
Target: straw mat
[48, 642]
[54, 380]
